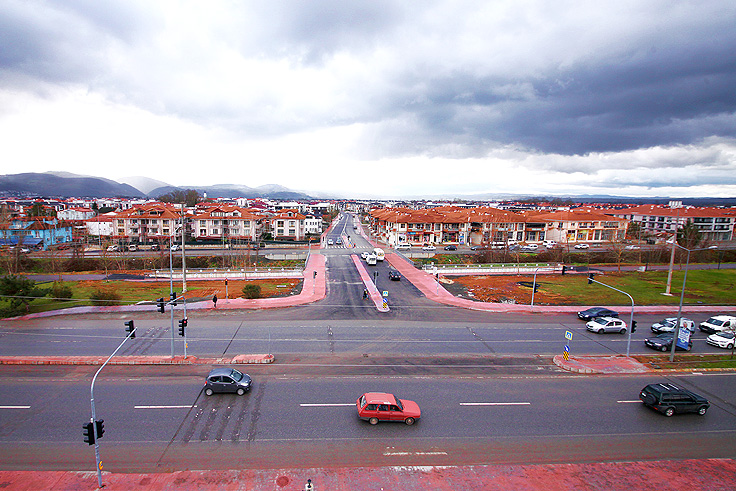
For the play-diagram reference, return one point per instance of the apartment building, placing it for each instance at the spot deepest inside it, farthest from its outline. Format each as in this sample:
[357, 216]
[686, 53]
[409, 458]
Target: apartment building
[149, 222]
[227, 222]
[714, 224]
[288, 225]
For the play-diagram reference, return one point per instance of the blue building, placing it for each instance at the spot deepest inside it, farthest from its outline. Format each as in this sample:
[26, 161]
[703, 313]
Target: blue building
[41, 232]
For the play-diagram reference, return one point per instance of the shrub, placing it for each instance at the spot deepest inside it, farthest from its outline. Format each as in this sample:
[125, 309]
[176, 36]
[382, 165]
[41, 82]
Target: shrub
[252, 291]
[60, 290]
[105, 297]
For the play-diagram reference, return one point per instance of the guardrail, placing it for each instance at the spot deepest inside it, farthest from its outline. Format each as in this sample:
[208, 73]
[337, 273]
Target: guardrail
[491, 268]
[233, 274]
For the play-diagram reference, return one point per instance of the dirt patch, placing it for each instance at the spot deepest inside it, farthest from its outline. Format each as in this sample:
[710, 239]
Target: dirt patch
[505, 288]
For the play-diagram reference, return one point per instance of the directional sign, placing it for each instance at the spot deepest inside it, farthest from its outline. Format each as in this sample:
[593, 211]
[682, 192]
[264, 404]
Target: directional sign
[385, 293]
[568, 335]
[567, 349]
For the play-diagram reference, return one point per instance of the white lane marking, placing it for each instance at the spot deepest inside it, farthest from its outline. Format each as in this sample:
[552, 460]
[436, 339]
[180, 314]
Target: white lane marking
[414, 453]
[327, 405]
[162, 407]
[15, 407]
[495, 403]
[629, 402]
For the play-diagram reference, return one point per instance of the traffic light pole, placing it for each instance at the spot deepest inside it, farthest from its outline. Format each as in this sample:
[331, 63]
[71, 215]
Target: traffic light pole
[631, 320]
[94, 416]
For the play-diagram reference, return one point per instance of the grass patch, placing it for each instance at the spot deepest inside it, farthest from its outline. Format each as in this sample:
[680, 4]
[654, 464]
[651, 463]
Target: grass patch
[687, 361]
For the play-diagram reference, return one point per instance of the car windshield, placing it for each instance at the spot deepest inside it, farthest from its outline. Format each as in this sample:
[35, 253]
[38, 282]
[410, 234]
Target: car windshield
[398, 403]
[665, 336]
[236, 375]
[600, 321]
[668, 322]
[726, 335]
[715, 322]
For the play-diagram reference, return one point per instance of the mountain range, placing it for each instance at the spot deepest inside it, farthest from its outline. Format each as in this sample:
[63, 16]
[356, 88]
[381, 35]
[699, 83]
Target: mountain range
[67, 185]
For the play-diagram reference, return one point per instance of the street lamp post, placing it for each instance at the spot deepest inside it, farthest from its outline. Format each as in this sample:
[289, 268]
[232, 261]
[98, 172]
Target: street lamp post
[676, 331]
[631, 319]
[534, 286]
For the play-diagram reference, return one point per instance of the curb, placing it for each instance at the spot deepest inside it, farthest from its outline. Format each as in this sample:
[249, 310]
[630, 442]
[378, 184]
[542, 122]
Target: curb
[135, 360]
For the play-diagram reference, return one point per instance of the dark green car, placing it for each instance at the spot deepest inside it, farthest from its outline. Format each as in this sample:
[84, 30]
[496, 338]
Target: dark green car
[669, 399]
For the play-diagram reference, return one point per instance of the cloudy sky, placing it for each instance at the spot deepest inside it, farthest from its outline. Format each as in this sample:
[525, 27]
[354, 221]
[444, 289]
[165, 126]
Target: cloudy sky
[376, 98]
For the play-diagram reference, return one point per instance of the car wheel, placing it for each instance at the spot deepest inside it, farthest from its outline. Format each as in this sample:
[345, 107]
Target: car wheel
[600, 331]
[663, 348]
[409, 421]
[241, 391]
[622, 330]
[702, 410]
[730, 346]
[669, 411]
[373, 421]
[208, 392]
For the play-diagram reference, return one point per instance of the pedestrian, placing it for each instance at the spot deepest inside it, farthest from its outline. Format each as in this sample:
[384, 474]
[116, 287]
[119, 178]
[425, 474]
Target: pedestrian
[214, 300]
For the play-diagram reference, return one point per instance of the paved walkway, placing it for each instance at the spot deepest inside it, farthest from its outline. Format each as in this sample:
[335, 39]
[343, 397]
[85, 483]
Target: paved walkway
[710, 474]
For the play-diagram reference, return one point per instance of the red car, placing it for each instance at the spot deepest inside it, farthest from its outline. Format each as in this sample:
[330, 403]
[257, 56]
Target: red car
[378, 406]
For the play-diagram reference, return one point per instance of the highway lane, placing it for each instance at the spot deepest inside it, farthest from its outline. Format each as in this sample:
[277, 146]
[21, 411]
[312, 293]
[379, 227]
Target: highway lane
[229, 333]
[464, 419]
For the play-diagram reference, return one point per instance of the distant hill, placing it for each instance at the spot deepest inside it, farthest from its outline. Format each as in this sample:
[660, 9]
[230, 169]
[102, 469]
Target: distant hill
[64, 185]
[271, 191]
[142, 183]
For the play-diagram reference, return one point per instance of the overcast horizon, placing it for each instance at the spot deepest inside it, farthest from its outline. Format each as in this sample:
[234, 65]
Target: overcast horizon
[376, 99]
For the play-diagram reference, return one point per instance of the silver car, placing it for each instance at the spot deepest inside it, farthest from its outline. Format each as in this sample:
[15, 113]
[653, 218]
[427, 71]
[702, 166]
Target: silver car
[606, 324]
[668, 324]
[224, 379]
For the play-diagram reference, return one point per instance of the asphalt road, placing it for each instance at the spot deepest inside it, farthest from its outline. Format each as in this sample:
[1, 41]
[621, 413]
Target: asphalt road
[464, 419]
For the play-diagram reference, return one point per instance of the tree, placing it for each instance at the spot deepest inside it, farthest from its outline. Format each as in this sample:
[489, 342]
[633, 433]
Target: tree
[190, 197]
[19, 292]
[689, 236]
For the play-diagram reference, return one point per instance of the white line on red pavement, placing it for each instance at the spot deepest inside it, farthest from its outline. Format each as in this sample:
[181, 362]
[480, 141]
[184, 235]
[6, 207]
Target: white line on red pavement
[327, 404]
[163, 407]
[495, 403]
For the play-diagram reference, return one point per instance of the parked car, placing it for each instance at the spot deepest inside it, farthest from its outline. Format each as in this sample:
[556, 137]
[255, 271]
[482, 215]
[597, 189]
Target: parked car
[668, 324]
[403, 247]
[632, 247]
[549, 244]
[338, 241]
[476, 247]
[451, 247]
[606, 324]
[378, 406]
[593, 312]
[718, 323]
[428, 247]
[669, 399]
[175, 247]
[227, 380]
[394, 275]
[155, 247]
[113, 248]
[582, 246]
[663, 342]
[132, 247]
[723, 339]
[529, 248]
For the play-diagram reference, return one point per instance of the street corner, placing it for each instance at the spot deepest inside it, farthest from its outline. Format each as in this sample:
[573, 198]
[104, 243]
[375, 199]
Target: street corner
[618, 364]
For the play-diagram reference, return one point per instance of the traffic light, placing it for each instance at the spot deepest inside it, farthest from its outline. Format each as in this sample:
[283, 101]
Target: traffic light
[633, 326]
[100, 427]
[161, 305]
[88, 432]
[590, 278]
[315, 274]
[173, 298]
[564, 268]
[130, 328]
[182, 325]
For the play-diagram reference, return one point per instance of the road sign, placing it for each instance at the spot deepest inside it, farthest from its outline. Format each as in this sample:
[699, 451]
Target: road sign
[568, 335]
[567, 349]
[566, 355]
[385, 293]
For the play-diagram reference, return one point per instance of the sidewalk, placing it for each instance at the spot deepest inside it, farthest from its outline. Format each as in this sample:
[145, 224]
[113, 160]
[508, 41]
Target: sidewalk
[710, 474]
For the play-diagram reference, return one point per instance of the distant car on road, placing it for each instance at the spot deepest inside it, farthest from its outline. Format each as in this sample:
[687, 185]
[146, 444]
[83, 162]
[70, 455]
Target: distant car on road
[582, 246]
[338, 241]
[668, 324]
[113, 248]
[476, 247]
[601, 325]
[364, 254]
[227, 380]
[394, 275]
[330, 242]
[428, 247]
[403, 247]
[663, 342]
[669, 399]
[723, 339]
[451, 247]
[529, 248]
[718, 323]
[632, 247]
[175, 247]
[379, 406]
[593, 312]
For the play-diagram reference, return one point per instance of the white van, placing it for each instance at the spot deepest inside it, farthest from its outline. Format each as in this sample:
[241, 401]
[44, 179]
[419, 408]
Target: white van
[403, 247]
[371, 259]
[380, 255]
